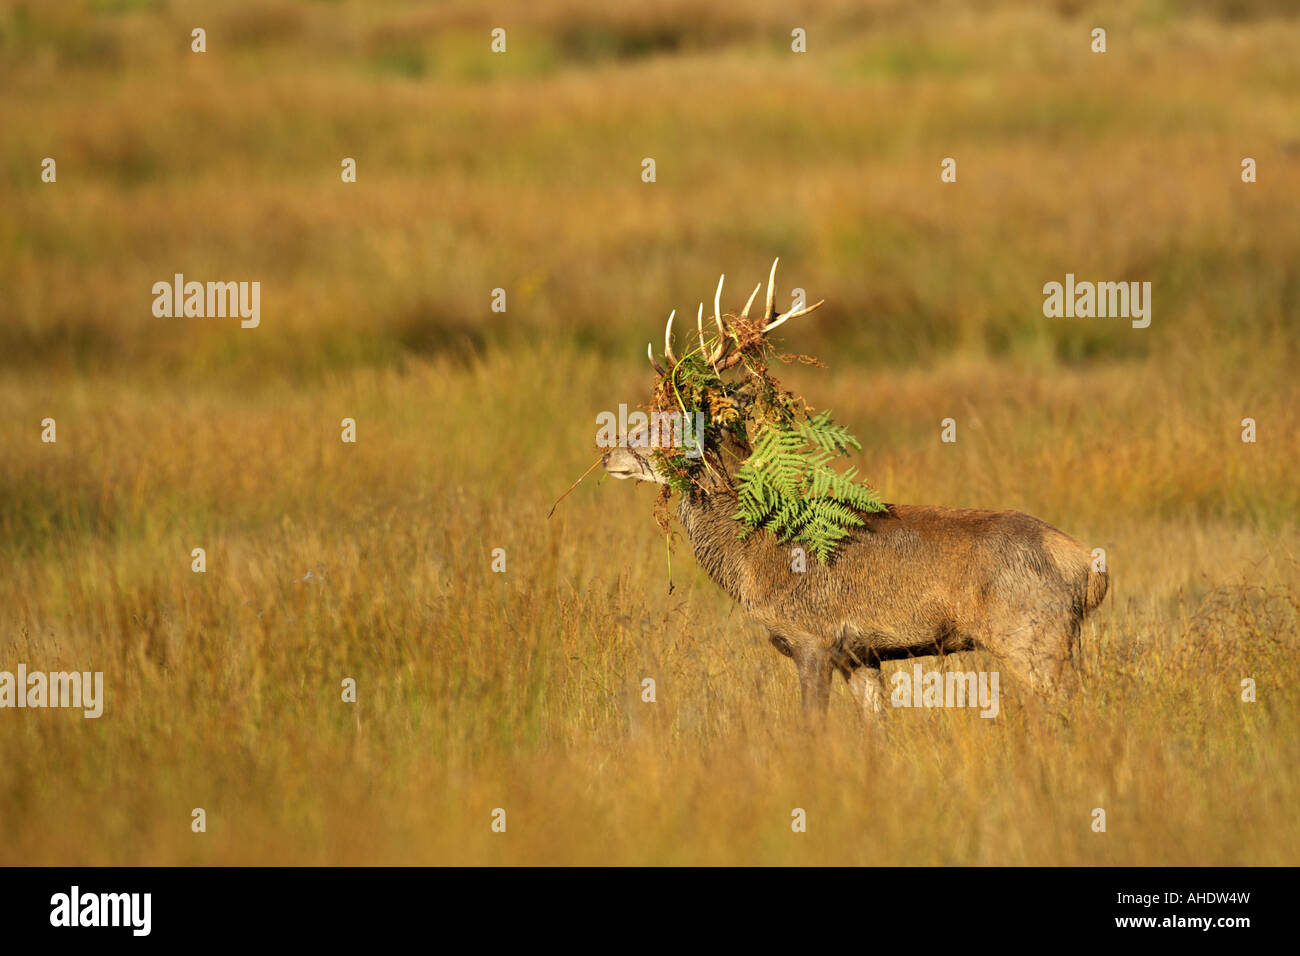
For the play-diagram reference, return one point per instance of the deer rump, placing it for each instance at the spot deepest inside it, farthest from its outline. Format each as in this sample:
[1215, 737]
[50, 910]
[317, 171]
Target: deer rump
[912, 581]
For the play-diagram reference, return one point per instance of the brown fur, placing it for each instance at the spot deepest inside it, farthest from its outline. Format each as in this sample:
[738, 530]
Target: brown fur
[912, 581]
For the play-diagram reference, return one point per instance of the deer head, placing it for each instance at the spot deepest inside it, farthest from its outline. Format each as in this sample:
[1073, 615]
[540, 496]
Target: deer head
[624, 462]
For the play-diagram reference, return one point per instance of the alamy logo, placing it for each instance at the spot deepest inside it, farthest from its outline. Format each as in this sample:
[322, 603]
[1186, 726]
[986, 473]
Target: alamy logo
[922, 688]
[215, 300]
[657, 430]
[1084, 300]
[103, 909]
[55, 689]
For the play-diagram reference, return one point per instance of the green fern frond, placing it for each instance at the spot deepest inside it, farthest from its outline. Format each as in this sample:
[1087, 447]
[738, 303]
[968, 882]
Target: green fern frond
[789, 487]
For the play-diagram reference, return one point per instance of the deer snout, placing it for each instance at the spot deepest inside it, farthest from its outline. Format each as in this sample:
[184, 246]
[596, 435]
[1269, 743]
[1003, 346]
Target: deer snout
[623, 462]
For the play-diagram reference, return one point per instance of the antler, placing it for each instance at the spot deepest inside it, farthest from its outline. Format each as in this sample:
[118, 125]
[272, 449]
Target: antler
[650, 352]
[792, 314]
[711, 355]
[723, 350]
[668, 340]
[770, 319]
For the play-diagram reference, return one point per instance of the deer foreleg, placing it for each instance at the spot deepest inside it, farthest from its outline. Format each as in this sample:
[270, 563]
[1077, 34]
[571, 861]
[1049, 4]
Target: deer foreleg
[814, 680]
[868, 690]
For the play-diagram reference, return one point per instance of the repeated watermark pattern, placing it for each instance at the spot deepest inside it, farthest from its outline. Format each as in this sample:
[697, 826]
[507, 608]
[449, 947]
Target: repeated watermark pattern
[38, 689]
[1102, 300]
[931, 688]
[660, 431]
[213, 300]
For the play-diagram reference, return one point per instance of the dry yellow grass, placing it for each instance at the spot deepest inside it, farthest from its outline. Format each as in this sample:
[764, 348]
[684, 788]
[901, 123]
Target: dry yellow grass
[521, 690]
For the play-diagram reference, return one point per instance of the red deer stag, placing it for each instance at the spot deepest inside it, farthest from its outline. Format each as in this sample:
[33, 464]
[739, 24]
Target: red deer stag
[913, 580]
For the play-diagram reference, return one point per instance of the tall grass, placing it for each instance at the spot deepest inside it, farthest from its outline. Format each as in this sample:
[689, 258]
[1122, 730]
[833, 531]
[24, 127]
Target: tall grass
[522, 690]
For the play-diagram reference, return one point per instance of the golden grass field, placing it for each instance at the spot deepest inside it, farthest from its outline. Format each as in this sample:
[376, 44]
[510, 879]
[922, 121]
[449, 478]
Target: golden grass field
[479, 690]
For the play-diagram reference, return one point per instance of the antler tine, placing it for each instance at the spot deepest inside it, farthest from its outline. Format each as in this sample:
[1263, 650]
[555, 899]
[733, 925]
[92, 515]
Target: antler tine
[668, 340]
[792, 314]
[770, 312]
[650, 351]
[699, 327]
[721, 347]
[752, 296]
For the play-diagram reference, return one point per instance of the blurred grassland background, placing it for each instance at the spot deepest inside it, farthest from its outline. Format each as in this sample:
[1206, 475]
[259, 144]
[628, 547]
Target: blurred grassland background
[522, 171]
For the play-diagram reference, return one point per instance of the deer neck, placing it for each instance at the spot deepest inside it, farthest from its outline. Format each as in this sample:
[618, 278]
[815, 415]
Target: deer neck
[712, 530]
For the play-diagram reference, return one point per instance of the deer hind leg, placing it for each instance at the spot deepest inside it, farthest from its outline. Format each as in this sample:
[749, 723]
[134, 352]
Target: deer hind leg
[1038, 655]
